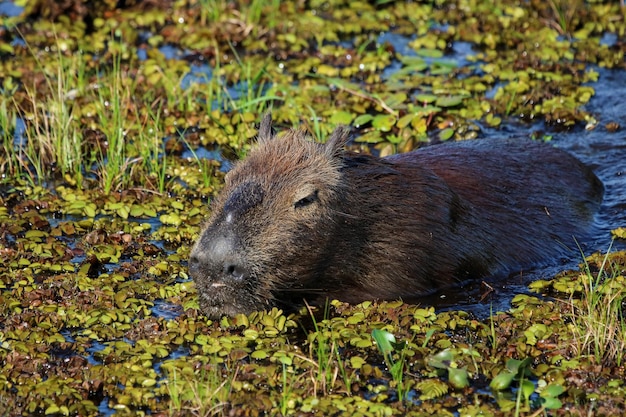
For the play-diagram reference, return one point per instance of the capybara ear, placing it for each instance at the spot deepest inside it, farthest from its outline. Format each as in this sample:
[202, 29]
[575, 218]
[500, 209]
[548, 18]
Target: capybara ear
[337, 140]
[265, 129]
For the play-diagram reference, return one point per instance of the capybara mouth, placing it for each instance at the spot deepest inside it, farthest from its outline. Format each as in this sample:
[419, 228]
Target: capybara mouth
[215, 306]
[218, 298]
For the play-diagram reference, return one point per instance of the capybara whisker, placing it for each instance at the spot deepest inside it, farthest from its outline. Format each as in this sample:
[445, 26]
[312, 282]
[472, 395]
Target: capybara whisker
[301, 290]
[341, 214]
[299, 220]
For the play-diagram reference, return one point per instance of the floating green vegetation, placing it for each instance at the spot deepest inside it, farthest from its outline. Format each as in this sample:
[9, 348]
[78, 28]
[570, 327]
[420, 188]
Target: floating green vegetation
[107, 110]
[85, 322]
[84, 84]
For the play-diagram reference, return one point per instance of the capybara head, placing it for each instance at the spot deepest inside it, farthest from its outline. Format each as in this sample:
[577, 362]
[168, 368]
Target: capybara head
[271, 223]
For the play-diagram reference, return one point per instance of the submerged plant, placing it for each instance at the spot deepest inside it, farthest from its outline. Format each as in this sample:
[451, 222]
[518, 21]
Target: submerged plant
[519, 370]
[515, 370]
[445, 360]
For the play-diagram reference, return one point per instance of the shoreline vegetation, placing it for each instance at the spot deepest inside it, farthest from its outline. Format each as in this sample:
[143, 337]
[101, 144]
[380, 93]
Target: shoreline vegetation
[117, 123]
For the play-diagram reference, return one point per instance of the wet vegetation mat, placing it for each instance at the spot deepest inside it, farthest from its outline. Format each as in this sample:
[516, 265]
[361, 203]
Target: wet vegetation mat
[118, 120]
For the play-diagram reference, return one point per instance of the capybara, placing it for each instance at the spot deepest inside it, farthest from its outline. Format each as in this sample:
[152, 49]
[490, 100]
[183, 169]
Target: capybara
[299, 220]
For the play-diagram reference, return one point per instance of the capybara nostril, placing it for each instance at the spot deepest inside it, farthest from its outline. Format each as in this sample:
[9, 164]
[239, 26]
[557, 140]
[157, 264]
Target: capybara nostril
[234, 270]
[215, 258]
[194, 265]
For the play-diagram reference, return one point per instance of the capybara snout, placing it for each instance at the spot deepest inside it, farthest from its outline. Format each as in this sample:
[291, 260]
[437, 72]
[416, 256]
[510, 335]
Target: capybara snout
[299, 220]
[219, 260]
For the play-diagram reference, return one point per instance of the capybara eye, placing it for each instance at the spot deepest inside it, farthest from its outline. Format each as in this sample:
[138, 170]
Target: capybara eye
[306, 201]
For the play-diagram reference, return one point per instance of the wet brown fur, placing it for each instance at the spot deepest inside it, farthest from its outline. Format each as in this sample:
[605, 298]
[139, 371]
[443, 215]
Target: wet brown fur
[302, 220]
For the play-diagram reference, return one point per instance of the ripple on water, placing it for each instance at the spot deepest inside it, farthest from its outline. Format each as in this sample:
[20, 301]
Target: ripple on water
[166, 310]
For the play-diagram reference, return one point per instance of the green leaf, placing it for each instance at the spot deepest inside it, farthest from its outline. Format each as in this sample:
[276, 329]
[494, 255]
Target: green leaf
[405, 120]
[172, 219]
[414, 63]
[136, 210]
[341, 118]
[396, 100]
[150, 212]
[148, 382]
[123, 212]
[384, 122]
[442, 359]
[426, 98]
[429, 52]
[396, 370]
[442, 68]
[620, 232]
[373, 136]
[515, 366]
[259, 354]
[356, 362]
[90, 210]
[527, 388]
[458, 377]
[449, 101]
[431, 388]
[427, 110]
[552, 391]
[6, 48]
[552, 403]
[384, 341]
[285, 360]
[363, 119]
[34, 233]
[446, 134]
[502, 381]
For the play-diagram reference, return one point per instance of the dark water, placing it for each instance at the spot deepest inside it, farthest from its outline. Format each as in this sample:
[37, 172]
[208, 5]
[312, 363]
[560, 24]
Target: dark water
[8, 8]
[604, 151]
